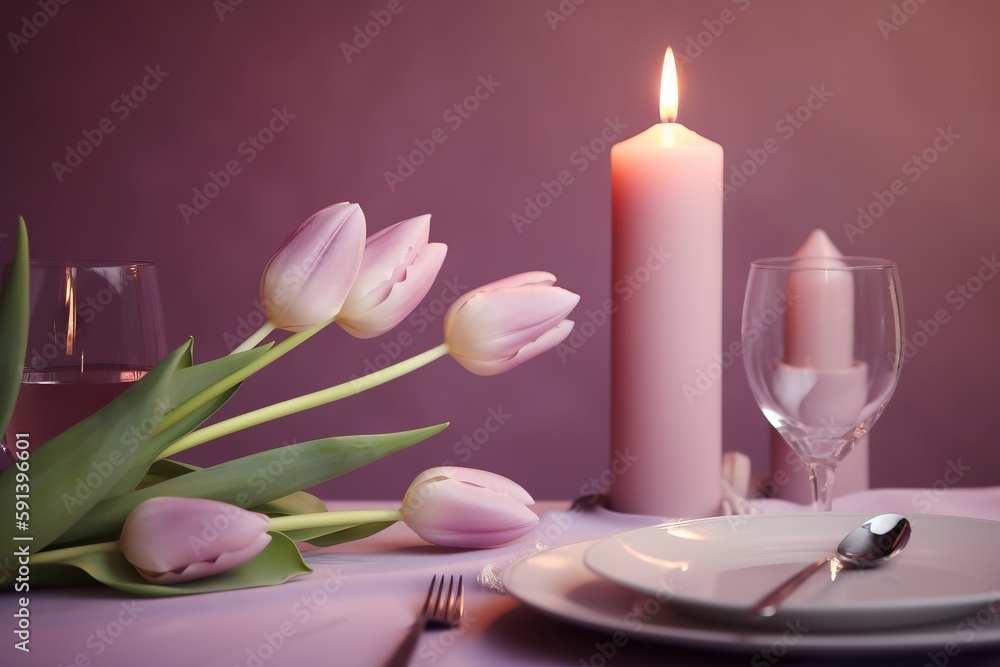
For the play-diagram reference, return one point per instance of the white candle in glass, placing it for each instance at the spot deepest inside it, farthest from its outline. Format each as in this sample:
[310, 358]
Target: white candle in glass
[820, 334]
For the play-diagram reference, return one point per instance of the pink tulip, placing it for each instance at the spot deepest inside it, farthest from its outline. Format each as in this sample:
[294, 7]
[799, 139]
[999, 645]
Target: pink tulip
[464, 507]
[503, 324]
[171, 540]
[307, 280]
[397, 270]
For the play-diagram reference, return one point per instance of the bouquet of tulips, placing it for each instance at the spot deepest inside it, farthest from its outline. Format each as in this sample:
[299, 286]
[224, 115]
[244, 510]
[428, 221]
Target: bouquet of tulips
[105, 505]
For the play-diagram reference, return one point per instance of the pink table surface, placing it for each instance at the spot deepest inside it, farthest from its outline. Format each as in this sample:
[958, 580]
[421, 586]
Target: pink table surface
[357, 605]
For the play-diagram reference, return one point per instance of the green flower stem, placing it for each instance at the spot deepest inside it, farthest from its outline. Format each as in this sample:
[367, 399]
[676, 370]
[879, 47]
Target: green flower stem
[333, 519]
[59, 555]
[209, 393]
[305, 402]
[281, 523]
[255, 338]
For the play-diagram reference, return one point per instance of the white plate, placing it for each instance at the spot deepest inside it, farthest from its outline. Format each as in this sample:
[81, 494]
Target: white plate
[717, 568]
[556, 581]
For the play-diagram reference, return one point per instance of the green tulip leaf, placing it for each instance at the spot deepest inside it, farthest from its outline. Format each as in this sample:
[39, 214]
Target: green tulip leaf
[73, 471]
[13, 326]
[325, 537]
[277, 563]
[160, 441]
[165, 469]
[253, 480]
[186, 383]
[299, 502]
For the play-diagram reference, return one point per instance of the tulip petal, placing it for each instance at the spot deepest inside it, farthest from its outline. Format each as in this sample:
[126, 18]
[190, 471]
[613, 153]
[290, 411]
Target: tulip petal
[498, 324]
[490, 480]
[202, 569]
[397, 271]
[178, 539]
[308, 279]
[382, 311]
[529, 278]
[388, 250]
[543, 343]
[453, 513]
[503, 324]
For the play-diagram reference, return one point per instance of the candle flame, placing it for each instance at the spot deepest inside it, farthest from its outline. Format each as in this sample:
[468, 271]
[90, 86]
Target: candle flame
[668, 88]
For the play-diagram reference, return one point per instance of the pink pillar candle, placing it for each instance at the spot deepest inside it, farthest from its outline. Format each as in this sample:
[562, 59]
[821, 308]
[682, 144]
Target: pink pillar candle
[667, 320]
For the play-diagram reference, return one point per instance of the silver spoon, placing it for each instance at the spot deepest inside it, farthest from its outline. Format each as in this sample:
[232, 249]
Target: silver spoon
[866, 546]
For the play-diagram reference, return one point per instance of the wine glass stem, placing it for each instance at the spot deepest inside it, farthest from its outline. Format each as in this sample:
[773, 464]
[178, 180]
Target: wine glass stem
[821, 481]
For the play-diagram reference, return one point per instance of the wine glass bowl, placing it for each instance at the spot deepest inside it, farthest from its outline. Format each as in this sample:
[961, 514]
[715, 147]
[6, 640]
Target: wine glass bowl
[822, 348]
[94, 328]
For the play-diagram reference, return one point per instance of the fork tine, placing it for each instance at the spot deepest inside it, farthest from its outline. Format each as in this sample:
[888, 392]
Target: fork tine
[445, 614]
[445, 607]
[459, 608]
[439, 610]
[430, 596]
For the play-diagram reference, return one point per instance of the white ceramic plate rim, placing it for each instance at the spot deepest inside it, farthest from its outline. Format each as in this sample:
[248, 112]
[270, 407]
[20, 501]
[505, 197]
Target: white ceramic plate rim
[546, 589]
[622, 558]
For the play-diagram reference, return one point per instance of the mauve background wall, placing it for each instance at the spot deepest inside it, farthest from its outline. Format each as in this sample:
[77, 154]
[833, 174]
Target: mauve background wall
[559, 84]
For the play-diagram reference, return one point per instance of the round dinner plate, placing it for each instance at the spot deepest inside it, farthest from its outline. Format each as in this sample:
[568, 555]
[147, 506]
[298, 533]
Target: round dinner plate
[557, 582]
[717, 568]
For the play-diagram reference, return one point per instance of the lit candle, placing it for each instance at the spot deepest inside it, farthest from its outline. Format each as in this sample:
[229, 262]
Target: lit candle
[819, 334]
[666, 391]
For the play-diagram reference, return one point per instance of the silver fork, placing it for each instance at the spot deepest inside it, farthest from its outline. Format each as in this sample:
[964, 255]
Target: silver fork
[440, 610]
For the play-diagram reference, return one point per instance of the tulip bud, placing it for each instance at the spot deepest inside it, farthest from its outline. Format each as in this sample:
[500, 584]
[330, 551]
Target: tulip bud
[464, 507]
[397, 270]
[171, 540]
[501, 325]
[307, 280]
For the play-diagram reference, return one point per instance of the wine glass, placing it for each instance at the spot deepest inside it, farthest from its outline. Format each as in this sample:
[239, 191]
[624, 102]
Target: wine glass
[823, 349]
[94, 328]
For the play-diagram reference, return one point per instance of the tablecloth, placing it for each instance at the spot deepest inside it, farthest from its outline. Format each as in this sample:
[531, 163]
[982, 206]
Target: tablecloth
[362, 597]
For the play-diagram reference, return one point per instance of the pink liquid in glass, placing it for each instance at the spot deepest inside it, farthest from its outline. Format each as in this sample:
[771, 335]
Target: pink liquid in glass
[52, 400]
